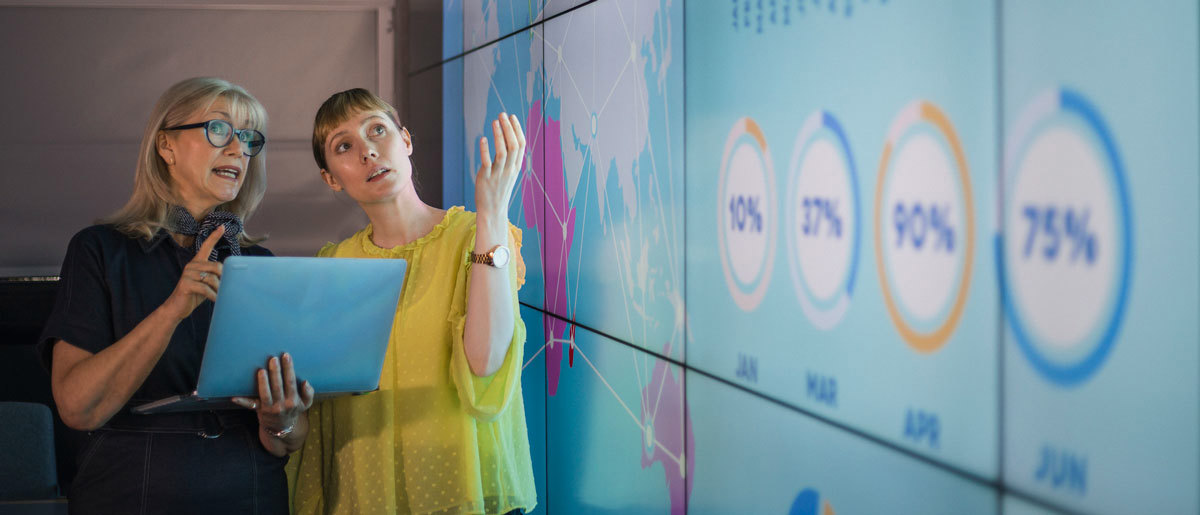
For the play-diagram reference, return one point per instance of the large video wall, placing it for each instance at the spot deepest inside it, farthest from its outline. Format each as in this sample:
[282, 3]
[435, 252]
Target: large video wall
[855, 256]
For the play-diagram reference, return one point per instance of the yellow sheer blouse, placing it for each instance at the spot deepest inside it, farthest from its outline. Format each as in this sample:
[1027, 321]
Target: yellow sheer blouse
[435, 438]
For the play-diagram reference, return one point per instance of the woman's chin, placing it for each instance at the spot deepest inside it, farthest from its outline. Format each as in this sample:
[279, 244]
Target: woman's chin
[225, 195]
[387, 193]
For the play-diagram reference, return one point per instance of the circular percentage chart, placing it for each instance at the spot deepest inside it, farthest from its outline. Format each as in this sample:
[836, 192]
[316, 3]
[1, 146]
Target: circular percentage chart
[822, 221]
[924, 226]
[1065, 252]
[745, 209]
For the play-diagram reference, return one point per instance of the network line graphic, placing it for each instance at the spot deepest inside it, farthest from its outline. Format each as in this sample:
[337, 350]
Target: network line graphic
[601, 195]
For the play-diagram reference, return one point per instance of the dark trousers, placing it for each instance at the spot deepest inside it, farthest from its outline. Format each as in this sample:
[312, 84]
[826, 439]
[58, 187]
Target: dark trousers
[174, 470]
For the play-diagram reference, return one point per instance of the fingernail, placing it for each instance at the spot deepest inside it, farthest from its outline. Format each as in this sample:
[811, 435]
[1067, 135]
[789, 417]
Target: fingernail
[287, 357]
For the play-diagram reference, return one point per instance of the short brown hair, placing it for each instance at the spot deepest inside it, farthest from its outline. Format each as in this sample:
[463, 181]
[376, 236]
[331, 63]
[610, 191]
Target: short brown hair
[340, 107]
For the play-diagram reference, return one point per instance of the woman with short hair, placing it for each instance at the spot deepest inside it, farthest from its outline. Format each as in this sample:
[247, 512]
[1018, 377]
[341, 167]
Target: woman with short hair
[445, 433]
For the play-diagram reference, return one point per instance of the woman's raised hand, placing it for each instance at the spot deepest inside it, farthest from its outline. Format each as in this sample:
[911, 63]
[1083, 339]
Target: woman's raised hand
[496, 178]
[201, 279]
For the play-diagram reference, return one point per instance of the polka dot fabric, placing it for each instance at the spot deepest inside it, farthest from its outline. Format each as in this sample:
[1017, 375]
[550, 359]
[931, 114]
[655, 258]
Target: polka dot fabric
[435, 438]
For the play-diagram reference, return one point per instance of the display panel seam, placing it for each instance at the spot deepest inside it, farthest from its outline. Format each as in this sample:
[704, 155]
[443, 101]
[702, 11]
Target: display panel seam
[499, 39]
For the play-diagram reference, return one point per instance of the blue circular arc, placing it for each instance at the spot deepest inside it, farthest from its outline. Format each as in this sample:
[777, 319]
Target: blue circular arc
[1073, 374]
[832, 124]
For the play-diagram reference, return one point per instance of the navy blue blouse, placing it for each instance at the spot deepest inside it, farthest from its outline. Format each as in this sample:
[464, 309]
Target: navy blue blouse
[110, 282]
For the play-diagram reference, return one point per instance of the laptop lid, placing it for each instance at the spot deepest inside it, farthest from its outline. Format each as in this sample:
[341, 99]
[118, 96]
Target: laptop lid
[333, 315]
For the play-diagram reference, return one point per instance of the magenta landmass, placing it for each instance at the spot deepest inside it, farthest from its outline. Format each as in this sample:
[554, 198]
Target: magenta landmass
[556, 234]
[663, 401]
[665, 392]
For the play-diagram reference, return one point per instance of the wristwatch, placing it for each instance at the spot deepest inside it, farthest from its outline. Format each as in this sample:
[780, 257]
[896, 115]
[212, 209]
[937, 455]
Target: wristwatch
[280, 433]
[497, 257]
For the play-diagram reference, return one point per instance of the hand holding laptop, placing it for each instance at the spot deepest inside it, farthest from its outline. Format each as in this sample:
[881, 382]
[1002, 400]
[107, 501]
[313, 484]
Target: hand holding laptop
[331, 317]
[280, 400]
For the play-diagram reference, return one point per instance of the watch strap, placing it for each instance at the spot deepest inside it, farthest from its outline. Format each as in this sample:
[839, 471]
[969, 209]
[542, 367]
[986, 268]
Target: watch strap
[483, 259]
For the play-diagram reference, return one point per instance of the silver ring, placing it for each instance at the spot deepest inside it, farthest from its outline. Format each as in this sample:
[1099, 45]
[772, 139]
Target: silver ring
[203, 275]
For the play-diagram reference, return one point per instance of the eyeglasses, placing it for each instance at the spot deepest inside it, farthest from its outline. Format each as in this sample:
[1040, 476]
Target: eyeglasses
[220, 133]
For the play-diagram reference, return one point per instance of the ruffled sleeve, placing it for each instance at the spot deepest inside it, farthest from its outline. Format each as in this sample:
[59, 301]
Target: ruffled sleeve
[486, 397]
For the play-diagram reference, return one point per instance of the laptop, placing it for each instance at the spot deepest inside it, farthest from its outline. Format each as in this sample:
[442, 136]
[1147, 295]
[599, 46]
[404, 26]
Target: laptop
[333, 315]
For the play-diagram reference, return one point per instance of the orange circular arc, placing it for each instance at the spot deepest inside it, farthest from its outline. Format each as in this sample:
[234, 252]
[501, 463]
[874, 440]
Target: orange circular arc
[931, 341]
[754, 130]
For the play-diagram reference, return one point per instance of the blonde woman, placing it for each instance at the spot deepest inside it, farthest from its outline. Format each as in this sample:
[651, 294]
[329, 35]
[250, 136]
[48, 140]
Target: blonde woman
[132, 315]
[446, 431]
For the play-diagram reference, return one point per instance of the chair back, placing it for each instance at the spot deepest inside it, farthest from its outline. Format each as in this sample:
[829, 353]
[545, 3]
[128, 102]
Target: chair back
[27, 469]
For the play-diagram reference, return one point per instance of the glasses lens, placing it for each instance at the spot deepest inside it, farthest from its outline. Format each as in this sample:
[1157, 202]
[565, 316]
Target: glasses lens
[219, 132]
[254, 141]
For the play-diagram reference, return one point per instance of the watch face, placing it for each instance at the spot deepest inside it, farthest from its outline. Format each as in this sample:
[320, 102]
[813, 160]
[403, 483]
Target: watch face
[500, 256]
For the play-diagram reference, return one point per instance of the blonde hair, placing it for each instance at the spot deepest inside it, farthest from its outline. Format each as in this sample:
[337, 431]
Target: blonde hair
[340, 107]
[145, 212]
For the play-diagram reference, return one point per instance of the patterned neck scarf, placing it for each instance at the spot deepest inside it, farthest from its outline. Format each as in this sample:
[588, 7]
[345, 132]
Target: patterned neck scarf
[180, 221]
